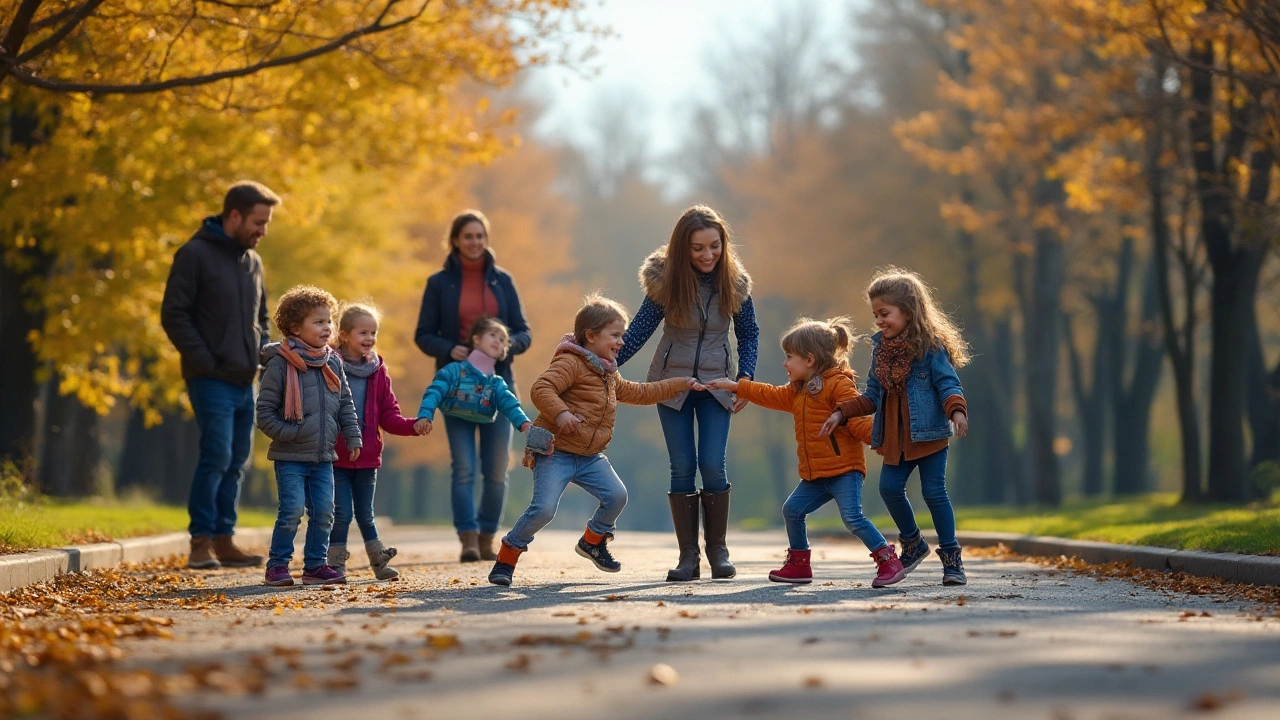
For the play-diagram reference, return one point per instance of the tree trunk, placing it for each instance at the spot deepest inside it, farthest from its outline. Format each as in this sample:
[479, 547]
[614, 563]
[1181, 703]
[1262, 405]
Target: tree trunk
[1091, 408]
[1134, 398]
[1264, 404]
[1235, 284]
[1179, 343]
[1040, 353]
[71, 448]
[20, 311]
[989, 398]
[160, 460]
[1235, 256]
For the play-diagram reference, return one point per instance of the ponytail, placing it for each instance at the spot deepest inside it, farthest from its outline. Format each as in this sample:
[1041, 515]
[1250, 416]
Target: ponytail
[828, 341]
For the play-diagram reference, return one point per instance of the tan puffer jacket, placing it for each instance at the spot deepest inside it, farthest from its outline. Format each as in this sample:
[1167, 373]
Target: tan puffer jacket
[579, 382]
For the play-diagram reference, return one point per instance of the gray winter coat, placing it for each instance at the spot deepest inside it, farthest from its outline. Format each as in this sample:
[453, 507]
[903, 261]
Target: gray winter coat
[324, 412]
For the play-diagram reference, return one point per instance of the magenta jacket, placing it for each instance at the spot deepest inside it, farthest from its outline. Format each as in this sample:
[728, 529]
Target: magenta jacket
[381, 412]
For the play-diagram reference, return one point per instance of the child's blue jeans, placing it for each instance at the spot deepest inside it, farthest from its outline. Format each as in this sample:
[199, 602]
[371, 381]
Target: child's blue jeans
[551, 477]
[353, 496]
[810, 495]
[303, 486]
[933, 486]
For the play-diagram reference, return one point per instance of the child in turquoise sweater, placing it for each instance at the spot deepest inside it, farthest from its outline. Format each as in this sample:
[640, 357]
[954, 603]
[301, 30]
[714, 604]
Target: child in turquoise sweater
[470, 390]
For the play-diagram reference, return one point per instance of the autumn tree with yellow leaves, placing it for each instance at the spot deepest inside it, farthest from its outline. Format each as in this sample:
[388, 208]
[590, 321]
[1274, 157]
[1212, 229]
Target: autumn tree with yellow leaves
[124, 122]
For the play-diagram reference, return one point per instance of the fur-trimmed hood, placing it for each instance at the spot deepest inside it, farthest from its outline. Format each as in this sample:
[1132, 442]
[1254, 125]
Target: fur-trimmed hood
[651, 276]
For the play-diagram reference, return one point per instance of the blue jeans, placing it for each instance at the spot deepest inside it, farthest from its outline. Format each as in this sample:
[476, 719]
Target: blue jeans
[309, 486]
[933, 486]
[224, 413]
[707, 453]
[810, 495]
[551, 477]
[495, 446]
[353, 494]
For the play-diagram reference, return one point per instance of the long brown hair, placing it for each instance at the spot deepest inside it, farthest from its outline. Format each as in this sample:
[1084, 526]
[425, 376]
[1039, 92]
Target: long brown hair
[827, 341]
[928, 327]
[679, 290]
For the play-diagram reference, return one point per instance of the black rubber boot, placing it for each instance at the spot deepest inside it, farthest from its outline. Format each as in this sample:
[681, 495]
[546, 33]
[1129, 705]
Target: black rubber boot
[684, 513]
[715, 522]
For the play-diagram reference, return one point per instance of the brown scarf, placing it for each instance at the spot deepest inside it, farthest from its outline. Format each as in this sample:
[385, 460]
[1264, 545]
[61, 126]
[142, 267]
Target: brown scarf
[300, 360]
[893, 362]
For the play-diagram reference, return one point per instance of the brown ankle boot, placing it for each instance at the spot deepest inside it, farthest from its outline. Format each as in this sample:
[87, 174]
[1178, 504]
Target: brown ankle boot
[486, 548]
[470, 546]
[201, 557]
[231, 556]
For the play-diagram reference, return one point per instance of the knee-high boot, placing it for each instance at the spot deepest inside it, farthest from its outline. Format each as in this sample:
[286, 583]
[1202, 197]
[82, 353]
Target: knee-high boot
[715, 522]
[684, 513]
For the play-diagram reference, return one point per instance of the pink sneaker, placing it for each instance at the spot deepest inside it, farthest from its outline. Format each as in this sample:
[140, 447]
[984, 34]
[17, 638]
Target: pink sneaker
[323, 575]
[888, 567]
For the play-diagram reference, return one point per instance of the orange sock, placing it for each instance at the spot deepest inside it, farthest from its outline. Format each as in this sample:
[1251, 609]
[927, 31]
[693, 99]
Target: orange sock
[592, 538]
[508, 555]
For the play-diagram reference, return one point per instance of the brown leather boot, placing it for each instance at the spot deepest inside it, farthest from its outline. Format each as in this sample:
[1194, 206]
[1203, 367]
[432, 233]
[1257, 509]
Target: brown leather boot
[201, 557]
[231, 556]
[470, 546]
[486, 548]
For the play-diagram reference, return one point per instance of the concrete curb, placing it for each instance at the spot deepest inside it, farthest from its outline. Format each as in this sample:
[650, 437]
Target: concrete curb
[1252, 569]
[38, 566]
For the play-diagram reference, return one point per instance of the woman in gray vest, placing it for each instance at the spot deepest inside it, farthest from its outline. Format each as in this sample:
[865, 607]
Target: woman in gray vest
[695, 288]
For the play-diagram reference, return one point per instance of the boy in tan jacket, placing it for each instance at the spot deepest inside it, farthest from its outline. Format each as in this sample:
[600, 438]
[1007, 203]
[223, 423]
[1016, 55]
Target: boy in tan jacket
[577, 400]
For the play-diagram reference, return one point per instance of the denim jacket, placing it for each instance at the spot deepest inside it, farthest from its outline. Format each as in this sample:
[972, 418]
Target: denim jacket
[932, 380]
[461, 390]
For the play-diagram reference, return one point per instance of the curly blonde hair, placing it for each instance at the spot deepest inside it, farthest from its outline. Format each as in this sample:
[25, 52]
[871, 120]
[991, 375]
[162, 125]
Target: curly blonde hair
[827, 341]
[928, 327]
[292, 307]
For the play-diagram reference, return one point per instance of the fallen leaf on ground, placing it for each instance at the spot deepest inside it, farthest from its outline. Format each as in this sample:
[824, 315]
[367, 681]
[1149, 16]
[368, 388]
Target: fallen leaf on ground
[663, 674]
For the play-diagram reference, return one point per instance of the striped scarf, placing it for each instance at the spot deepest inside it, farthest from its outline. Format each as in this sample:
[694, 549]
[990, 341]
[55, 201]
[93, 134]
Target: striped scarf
[301, 357]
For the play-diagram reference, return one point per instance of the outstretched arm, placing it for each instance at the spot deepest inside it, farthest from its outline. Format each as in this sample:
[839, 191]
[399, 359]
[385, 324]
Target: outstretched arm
[640, 330]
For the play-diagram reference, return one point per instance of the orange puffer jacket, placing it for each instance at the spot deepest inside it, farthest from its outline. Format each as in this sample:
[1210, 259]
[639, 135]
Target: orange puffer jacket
[820, 457]
[581, 383]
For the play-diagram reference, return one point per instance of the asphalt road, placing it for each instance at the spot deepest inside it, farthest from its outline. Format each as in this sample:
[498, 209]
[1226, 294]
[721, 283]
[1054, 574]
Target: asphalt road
[567, 641]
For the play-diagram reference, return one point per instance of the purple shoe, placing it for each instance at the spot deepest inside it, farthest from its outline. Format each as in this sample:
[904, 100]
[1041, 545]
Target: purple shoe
[323, 575]
[278, 576]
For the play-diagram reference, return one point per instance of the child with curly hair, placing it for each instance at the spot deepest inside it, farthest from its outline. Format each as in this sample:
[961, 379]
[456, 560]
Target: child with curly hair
[304, 401]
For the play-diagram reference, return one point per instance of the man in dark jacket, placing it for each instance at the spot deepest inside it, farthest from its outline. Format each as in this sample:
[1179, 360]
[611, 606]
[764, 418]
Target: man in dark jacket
[215, 313]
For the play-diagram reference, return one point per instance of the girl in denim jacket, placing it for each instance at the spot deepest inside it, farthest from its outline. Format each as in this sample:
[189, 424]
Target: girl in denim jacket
[916, 396]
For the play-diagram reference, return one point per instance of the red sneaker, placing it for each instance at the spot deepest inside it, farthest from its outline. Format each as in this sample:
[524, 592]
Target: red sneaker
[888, 567]
[796, 569]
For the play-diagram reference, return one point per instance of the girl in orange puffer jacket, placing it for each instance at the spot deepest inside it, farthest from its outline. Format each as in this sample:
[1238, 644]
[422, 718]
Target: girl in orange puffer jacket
[831, 467]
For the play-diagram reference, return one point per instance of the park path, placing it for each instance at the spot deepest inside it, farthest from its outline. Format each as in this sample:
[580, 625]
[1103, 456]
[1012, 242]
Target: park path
[566, 641]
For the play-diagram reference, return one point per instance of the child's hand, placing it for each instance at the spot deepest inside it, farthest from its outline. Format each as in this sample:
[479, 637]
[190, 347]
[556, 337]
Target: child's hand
[524, 428]
[422, 426]
[459, 352]
[831, 424]
[568, 422]
[694, 384]
[353, 454]
[962, 423]
[724, 384]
